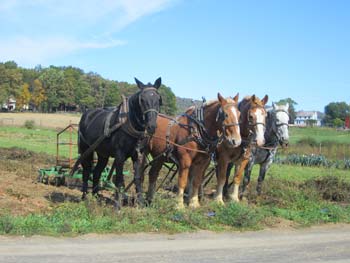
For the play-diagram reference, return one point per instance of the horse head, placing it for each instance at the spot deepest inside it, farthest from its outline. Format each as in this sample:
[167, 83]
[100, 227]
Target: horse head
[229, 116]
[149, 102]
[253, 119]
[280, 124]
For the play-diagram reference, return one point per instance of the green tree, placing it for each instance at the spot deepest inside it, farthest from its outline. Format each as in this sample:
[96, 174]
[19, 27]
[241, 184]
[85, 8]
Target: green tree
[337, 122]
[169, 100]
[336, 110]
[52, 79]
[10, 80]
[291, 110]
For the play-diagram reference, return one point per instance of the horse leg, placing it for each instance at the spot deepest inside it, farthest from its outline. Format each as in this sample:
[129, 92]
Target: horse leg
[197, 172]
[87, 165]
[228, 173]
[139, 160]
[221, 175]
[263, 169]
[184, 169]
[247, 174]
[101, 164]
[152, 181]
[118, 179]
[237, 179]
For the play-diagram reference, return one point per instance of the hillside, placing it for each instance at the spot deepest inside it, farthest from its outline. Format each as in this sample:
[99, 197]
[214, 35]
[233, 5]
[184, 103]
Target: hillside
[183, 103]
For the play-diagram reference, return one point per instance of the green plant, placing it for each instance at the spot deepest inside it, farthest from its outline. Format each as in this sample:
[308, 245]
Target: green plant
[29, 124]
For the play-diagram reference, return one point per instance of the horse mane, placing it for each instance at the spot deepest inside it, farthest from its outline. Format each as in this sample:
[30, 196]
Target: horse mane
[247, 99]
[210, 102]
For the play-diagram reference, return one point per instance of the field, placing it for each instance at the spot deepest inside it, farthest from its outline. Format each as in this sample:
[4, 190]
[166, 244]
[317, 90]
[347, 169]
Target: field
[320, 135]
[293, 195]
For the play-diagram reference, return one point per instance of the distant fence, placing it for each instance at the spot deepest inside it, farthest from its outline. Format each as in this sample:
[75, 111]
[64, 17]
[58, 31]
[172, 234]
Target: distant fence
[7, 121]
[44, 120]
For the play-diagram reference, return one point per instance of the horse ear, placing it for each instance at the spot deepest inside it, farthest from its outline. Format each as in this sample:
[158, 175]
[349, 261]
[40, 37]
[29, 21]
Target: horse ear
[265, 99]
[235, 98]
[253, 98]
[273, 105]
[157, 83]
[287, 105]
[139, 84]
[221, 98]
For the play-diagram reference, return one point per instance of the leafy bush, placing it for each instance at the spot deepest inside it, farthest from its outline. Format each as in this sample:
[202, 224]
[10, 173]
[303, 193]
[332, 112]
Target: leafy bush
[29, 124]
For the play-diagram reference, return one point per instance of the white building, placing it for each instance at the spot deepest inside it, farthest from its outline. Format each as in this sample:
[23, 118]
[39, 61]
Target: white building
[9, 105]
[304, 118]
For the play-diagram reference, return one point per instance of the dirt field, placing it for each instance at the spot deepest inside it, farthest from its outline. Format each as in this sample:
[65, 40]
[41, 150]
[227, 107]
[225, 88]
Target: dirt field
[20, 194]
[47, 120]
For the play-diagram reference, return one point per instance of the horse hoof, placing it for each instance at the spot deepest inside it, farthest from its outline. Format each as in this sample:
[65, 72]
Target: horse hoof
[194, 205]
[180, 206]
[83, 197]
[234, 199]
[116, 206]
[219, 201]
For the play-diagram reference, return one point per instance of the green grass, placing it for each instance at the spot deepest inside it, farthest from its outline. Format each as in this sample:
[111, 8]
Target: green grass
[320, 134]
[36, 140]
[303, 195]
[302, 204]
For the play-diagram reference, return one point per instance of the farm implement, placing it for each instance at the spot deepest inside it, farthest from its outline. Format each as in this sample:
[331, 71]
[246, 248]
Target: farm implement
[60, 174]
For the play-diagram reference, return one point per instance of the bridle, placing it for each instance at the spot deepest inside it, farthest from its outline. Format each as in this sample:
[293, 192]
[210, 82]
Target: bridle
[143, 92]
[277, 125]
[251, 124]
[222, 117]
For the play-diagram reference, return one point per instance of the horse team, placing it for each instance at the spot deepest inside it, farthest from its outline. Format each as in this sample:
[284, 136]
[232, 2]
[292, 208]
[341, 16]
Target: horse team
[224, 130]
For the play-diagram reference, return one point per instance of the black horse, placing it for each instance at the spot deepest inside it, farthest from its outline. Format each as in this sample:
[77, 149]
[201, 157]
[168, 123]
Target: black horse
[119, 133]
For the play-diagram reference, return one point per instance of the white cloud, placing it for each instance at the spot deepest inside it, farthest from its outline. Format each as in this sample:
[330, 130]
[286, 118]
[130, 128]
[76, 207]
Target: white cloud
[70, 20]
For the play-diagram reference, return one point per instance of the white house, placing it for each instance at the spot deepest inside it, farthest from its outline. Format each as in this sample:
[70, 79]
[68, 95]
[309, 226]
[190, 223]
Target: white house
[304, 118]
[9, 105]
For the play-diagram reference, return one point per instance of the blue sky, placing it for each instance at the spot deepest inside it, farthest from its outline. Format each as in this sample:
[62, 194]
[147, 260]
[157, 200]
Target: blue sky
[296, 49]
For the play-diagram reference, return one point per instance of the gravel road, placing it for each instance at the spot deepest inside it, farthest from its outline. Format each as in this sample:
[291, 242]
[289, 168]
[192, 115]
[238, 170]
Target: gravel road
[317, 244]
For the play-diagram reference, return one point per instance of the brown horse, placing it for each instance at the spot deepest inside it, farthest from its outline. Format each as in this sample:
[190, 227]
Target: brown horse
[190, 140]
[252, 127]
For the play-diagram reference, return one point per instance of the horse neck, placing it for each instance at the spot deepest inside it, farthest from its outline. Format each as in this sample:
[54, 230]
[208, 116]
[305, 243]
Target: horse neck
[270, 135]
[135, 113]
[210, 121]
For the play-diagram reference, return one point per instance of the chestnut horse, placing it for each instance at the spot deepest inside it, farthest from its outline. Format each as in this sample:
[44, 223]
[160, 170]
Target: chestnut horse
[252, 126]
[190, 140]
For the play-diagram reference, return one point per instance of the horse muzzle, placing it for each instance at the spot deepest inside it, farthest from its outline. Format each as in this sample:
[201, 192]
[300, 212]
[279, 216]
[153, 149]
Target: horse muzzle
[284, 144]
[151, 129]
[234, 143]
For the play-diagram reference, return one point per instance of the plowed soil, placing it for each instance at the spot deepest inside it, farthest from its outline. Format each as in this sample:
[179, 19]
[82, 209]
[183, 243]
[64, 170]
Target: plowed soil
[20, 193]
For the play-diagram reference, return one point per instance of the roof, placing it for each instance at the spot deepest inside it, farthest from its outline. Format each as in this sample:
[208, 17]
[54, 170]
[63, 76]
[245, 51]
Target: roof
[309, 113]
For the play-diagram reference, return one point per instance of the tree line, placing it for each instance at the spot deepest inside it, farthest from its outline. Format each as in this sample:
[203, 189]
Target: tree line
[67, 88]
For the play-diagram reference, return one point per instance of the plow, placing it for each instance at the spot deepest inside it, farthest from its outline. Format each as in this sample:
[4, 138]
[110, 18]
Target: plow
[60, 174]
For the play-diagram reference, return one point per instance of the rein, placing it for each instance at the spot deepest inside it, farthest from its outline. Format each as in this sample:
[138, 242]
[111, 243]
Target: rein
[179, 145]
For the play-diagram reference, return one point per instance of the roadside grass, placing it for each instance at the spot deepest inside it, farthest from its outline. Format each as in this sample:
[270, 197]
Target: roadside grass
[300, 203]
